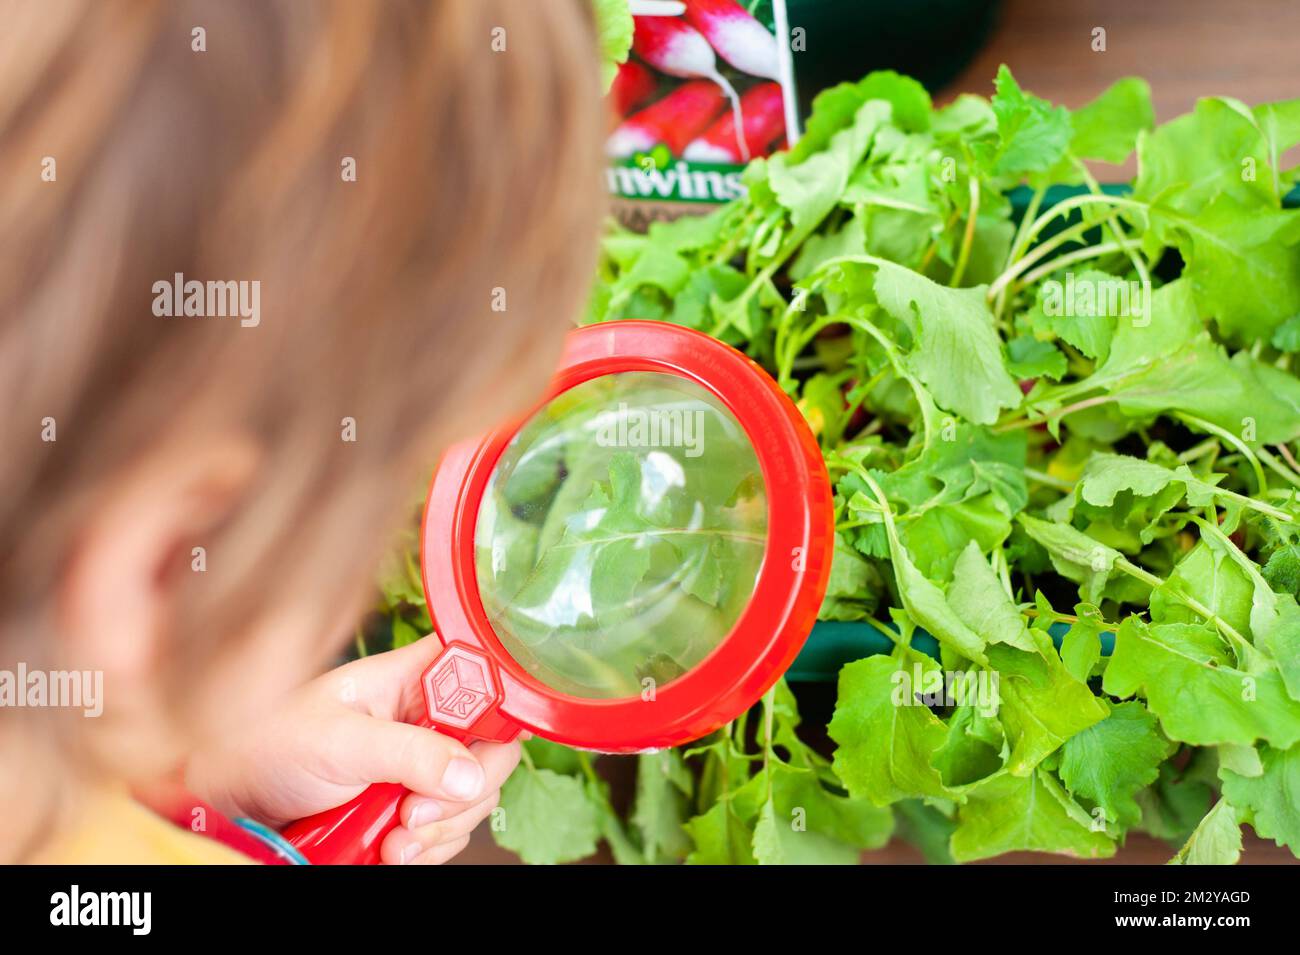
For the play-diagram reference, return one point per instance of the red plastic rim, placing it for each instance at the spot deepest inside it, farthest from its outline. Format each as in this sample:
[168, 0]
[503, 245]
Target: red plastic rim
[791, 580]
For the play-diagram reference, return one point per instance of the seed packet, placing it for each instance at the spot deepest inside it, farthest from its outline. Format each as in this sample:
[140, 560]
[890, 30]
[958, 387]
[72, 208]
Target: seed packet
[707, 87]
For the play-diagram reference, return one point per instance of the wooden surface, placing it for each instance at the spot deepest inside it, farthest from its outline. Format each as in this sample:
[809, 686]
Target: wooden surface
[1249, 49]
[1186, 49]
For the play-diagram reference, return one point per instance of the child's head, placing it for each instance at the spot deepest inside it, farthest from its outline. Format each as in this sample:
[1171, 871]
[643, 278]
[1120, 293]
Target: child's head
[414, 187]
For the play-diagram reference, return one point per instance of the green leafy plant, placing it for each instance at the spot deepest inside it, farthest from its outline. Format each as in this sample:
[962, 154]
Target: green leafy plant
[614, 29]
[1060, 420]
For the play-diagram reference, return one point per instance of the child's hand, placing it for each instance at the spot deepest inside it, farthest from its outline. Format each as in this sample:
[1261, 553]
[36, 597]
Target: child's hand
[342, 732]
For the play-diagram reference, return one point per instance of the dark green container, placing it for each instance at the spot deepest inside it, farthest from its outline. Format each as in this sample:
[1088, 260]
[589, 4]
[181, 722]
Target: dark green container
[932, 40]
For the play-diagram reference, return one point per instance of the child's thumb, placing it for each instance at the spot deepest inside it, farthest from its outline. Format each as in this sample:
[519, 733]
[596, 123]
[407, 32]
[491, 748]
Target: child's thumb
[421, 759]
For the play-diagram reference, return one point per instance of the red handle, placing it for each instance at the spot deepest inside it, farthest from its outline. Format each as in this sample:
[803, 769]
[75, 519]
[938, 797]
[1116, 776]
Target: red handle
[461, 695]
[352, 833]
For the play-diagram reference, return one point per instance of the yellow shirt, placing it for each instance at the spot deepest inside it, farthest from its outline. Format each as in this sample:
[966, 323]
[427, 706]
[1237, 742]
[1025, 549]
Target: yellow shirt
[115, 829]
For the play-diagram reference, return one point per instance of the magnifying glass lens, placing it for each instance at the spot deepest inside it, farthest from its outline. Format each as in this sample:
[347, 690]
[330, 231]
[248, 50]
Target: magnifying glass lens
[621, 534]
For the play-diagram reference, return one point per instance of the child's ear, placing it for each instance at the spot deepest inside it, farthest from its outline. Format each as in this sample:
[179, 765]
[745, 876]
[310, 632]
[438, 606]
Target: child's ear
[116, 602]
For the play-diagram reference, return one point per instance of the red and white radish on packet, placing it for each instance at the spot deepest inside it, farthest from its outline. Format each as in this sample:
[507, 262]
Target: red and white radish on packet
[763, 109]
[736, 36]
[673, 46]
[633, 85]
[675, 120]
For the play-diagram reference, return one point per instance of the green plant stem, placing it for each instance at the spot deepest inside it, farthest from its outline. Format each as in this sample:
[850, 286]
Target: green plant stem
[1279, 468]
[1117, 230]
[1001, 283]
[742, 301]
[1003, 571]
[1075, 202]
[1019, 244]
[1022, 237]
[613, 830]
[588, 770]
[1255, 504]
[1017, 424]
[907, 376]
[854, 404]
[1042, 250]
[1199, 451]
[1208, 427]
[1042, 477]
[1061, 261]
[794, 344]
[1290, 459]
[934, 243]
[849, 525]
[968, 239]
[729, 248]
[894, 636]
[769, 700]
[1191, 603]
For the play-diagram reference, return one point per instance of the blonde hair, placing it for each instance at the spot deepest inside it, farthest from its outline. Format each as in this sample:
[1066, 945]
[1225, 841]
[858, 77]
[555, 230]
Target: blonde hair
[475, 128]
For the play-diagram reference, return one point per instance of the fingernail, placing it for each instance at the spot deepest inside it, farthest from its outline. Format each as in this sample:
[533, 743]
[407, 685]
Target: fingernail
[462, 779]
[409, 852]
[425, 812]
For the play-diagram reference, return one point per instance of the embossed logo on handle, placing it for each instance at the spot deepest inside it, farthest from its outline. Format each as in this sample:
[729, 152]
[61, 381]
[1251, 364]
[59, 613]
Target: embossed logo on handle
[459, 687]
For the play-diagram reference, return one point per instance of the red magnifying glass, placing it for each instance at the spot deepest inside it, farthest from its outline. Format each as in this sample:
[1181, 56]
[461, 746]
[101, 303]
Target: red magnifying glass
[629, 567]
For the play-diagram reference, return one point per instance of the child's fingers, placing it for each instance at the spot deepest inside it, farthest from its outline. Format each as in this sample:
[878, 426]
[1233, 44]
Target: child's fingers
[422, 760]
[429, 823]
[498, 761]
[443, 853]
[405, 845]
[431, 828]
[446, 830]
